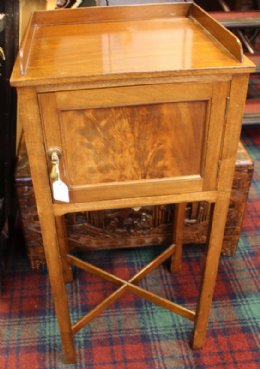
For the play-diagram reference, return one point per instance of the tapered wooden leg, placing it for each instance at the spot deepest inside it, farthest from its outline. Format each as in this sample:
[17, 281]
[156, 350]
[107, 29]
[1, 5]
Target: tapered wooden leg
[64, 248]
[39, 170]
[59, 293]
[178, 228]
[210, 270]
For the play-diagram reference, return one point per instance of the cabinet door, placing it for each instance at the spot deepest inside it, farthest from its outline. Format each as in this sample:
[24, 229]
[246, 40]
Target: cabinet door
[137, 140]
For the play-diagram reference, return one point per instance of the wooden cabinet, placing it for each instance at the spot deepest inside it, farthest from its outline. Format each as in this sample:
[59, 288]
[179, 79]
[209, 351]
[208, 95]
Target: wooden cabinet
[141, 105]
[125, 138]
[137, 107]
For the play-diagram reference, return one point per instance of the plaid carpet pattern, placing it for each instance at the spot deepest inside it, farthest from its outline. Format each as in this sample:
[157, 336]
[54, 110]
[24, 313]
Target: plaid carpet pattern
[132, 333]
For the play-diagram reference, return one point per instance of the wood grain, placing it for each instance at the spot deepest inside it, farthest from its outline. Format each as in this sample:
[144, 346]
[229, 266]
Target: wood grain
[224, 36]
[178, 233]
[136, 140]
[133, 143]
[78, 45]
[31, 122]
[61, 209]
[208, 280]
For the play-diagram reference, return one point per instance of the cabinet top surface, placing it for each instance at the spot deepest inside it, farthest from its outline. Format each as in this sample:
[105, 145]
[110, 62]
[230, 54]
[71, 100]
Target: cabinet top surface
[89, 43]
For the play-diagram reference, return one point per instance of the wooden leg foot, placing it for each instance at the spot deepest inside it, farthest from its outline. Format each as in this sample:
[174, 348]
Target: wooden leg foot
[70, 357]
[69, 353]
[197, 342]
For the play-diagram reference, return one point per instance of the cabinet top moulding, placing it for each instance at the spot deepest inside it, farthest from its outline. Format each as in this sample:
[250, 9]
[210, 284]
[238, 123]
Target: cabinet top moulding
[137, 41]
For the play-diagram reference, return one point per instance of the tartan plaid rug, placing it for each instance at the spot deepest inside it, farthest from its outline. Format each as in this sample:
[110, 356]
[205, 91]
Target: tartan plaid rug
[132, 333]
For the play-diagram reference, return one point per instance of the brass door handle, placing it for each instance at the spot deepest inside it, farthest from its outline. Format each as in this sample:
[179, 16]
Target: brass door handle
[54, 154]
[59, 189]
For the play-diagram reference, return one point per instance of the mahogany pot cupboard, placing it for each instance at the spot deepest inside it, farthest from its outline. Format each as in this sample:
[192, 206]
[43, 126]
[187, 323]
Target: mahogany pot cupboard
[124, 107]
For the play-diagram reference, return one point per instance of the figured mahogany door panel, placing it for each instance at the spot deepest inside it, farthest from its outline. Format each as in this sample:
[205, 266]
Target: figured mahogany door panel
[139, 141]
[133, 142]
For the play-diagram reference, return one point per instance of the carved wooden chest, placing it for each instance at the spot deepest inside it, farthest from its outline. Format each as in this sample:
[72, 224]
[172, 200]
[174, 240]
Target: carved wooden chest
[129, 228]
